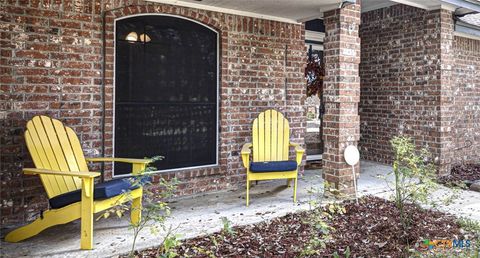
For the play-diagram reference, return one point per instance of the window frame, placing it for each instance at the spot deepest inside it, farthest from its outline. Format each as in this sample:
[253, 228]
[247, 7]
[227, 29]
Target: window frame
[217, 136]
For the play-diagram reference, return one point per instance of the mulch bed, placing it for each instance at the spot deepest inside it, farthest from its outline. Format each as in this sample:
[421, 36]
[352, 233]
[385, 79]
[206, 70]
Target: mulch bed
[466, 173]
[370, 229]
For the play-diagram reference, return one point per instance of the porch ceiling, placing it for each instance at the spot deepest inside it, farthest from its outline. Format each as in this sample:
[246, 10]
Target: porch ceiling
[281, 10]
[288, 10]
[473, 19]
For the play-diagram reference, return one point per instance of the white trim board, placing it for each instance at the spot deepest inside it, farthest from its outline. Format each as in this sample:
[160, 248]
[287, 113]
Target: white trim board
[314, 157]
[413, 3]
[225, 10]
[314, 47]
[314, 35]
[465, 35]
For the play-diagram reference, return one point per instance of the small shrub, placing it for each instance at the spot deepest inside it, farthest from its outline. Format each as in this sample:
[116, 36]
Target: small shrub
[155, 213]
[317, 219]
[168, 247]
[414, 175]
[471, 226]
[227, 227]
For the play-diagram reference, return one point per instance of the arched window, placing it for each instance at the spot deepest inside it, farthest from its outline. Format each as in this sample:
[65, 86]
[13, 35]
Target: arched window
[166, 91]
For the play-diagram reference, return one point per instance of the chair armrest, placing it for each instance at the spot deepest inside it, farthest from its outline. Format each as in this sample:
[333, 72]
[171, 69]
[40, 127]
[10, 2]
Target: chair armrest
[124, 160]
[246, 154]
[81, 174]
[299, 150]
[138, 165]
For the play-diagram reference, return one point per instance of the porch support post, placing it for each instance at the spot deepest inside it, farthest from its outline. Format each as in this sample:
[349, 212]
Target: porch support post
[341, 125]
[444, 145]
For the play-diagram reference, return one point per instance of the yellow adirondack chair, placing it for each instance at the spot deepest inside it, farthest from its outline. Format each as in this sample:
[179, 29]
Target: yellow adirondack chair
[270, 147]
[62, 167]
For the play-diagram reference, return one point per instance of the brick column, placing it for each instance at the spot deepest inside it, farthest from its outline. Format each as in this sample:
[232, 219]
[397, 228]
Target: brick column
[445, 143]
[341, 126]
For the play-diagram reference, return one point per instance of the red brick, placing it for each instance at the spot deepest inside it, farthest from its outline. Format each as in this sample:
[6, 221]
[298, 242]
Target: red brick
[52, 77]
[408, 87]
[340, 94]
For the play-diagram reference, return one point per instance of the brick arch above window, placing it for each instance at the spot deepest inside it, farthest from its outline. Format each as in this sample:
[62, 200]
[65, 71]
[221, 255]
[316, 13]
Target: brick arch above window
[207, 18]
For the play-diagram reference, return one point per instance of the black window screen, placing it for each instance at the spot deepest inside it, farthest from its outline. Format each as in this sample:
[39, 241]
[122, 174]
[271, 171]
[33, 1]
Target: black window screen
[165, 92]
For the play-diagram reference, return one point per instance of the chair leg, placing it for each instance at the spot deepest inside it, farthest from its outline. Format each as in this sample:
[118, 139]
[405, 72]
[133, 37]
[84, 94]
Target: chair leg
[289, 182]
[248, 191]
[50, 219]
[136, 211]
[86, 226]
[295, 191]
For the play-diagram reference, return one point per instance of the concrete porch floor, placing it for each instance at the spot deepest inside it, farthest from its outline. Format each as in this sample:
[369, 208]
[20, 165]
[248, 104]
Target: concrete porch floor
[202, 214]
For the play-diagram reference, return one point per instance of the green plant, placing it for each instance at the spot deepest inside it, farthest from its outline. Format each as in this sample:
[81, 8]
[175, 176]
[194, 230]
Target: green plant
[169, 244]
[469, 225]
[311, 116]
[346, 253]
[314, 245]
[317, 219]
[472, 228]
[414, 175]
[227, 230]
[207, 253]
[227, 226]
[156, 212]
[322, 230]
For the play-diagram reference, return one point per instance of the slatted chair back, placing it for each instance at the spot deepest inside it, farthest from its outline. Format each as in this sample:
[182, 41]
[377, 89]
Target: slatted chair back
[271, 137]
[56, 147]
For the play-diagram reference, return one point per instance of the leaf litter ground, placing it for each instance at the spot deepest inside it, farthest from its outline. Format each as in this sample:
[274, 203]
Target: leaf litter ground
[371, 228]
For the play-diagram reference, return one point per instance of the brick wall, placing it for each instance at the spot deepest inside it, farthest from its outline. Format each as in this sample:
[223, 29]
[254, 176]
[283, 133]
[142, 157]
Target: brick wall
[421, 81]
[51, 64]
[466, 94]
[401, 79]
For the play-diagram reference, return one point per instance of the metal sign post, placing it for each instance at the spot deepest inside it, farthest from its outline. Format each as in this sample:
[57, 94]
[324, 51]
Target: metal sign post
[352, 156]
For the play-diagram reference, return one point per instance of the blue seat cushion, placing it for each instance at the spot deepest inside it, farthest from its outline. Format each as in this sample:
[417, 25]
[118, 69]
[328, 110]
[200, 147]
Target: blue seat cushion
[273, 166]
[101, 191]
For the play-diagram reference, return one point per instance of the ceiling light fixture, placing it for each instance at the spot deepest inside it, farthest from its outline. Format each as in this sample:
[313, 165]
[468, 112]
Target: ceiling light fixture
[132, 36]
[144, 38]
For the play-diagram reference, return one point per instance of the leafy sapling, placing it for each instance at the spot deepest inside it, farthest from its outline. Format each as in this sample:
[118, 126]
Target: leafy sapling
[156, 212]
[414, 175]
[170, 242]
[227, 226]
[318, 216]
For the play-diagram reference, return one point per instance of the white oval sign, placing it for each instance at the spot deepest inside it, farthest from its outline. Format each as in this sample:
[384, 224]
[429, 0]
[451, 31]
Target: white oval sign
[351, 155]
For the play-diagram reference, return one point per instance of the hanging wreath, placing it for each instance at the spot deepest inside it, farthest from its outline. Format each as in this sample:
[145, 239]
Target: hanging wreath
[314, 73]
